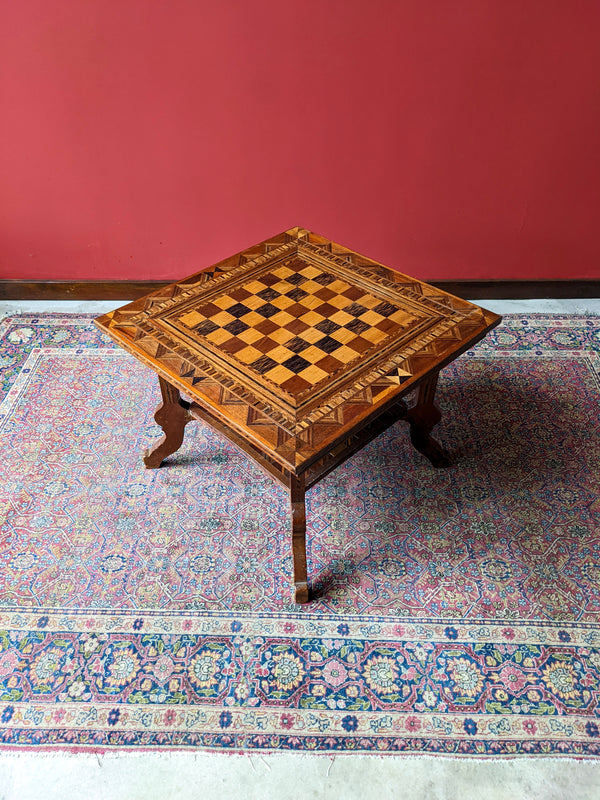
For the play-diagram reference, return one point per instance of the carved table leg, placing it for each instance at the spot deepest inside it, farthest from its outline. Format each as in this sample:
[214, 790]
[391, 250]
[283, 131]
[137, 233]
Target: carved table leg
[423, 417]
[297, 494]
[172, 415]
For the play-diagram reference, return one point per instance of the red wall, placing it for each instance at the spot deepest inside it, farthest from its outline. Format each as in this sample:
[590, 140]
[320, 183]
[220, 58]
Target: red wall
[447, 138]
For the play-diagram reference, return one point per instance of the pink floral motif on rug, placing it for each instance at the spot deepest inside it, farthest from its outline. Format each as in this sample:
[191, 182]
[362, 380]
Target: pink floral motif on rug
[456, 610]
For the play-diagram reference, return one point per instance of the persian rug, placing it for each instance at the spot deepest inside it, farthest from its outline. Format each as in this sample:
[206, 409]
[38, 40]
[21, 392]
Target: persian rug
[457, 610]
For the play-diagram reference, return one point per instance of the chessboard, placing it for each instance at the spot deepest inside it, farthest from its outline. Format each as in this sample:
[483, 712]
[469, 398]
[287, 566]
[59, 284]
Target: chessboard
[296, 325]
[295, 330]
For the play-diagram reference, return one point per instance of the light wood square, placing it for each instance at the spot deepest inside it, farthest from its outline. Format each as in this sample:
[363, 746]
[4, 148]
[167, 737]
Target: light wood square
[254, 302]
[281, 319]
[343, 335]
[311, 335]
[225, 301]
[279, 354]
[371, 317]
[250, 335]
[222, 318]
[252, 318]
[248, 354]
[311, 318]
[341, 318]
[254, 287]
[282, 302]
[312, 354]
[368, 301]
[281, 335]
[313, 374]
[310, 286]
[310, 301]
[374, 335]
[279, 374]
[338, 286]
[345, 354]
[309, 271]
[339, 301]
[401, 318]
[283, 287]
[219, 336]
[283, 271]
[191, 319]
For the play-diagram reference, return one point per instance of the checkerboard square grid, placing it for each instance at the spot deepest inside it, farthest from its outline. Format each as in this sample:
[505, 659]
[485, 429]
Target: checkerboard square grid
[296, 326]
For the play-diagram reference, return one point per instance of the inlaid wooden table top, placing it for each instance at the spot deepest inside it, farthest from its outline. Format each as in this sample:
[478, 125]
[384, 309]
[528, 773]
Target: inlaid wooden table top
[299, 351]
[297, 340]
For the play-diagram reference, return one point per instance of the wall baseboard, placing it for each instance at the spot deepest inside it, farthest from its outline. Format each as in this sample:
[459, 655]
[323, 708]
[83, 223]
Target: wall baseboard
[77, 290]
[130, 290]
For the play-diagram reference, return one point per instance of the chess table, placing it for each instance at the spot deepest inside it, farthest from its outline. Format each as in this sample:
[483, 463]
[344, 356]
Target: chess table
[299, 351]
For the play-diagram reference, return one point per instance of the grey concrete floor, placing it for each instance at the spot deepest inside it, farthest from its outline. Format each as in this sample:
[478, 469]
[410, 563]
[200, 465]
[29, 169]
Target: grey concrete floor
[188, 775]
[293, 777]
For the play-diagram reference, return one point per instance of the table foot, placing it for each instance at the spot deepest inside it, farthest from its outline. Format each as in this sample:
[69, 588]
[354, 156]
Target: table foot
[298, 507]
[301, 593]
[422, 418]
[429, 447]
[172, 415]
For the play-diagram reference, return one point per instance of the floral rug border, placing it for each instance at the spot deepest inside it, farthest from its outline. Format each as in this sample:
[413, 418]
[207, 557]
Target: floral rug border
[336, 684]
